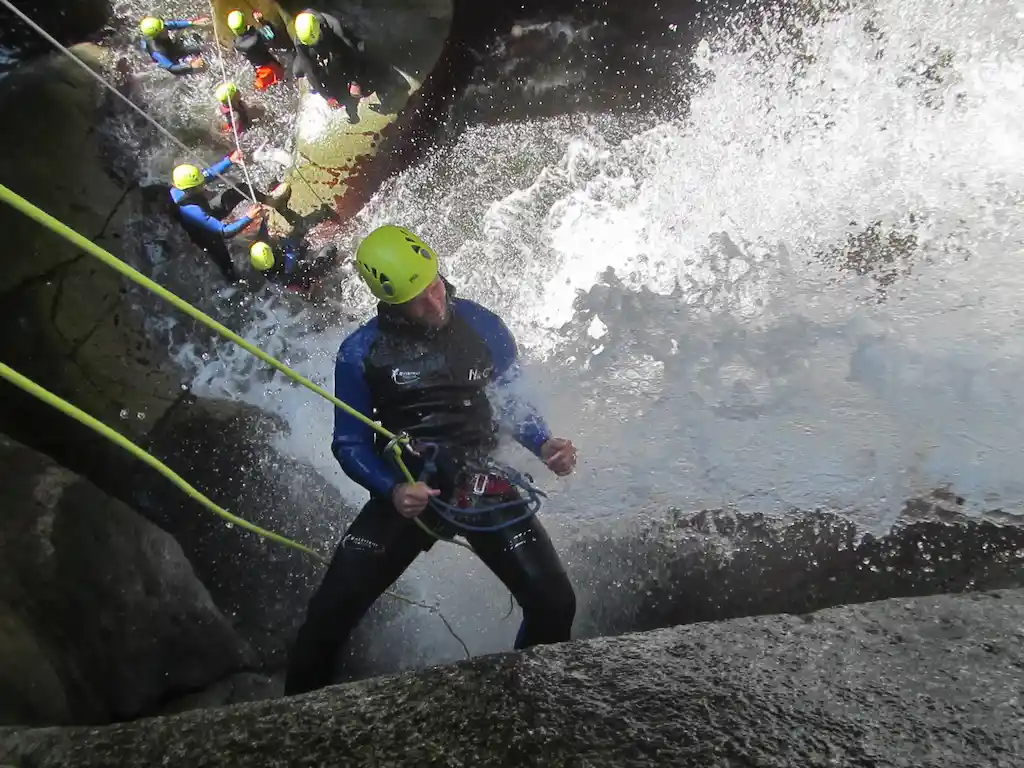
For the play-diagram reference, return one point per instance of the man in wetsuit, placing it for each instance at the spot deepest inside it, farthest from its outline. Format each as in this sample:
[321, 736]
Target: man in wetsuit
[287, 265]
[172, 54]
[424, 366]
[201, 212]
[252, 43]
[330, 57]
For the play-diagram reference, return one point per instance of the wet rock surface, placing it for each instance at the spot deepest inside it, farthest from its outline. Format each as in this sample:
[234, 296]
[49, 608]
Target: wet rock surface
[263, 587]
[260, 585]
[70, 21]
[721, 564]
[915, 682]
[101, 615]
[75, 325]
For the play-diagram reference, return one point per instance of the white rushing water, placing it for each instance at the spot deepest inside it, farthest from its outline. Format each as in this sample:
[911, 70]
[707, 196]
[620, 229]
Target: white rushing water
[736, 362]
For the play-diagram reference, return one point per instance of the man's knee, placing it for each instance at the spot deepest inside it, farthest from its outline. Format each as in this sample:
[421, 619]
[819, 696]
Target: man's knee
[344, 590]
[561, 600]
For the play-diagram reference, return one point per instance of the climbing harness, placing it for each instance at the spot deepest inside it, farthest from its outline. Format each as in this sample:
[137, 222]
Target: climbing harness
[397, 443]
[106, 84]
[491, 480]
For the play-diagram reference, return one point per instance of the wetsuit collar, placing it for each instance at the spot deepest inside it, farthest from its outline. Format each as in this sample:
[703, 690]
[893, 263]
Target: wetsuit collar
[392, 319]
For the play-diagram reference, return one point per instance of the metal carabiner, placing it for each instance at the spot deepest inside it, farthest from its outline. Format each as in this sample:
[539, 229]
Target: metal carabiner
[394, 441]
[480, 483]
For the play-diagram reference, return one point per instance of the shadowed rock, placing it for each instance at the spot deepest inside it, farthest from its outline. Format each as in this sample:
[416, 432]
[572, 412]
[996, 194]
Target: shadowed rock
[101, 615]
[721, 564]
[917, 682]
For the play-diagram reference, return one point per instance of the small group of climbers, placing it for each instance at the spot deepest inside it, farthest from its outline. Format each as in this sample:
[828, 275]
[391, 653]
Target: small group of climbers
[330, 57]
[327, 53]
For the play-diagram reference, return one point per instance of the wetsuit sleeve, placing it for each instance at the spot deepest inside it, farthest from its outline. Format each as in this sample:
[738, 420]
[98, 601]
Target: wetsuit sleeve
[303, 67]
[343, 33]
[291, 256]
[353, 443]
[527, 425]
[174, 67]
[217, 168]
[200, 218]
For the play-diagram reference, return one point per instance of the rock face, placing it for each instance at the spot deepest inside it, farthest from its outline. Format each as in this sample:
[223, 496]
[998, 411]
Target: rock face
[721, 564]
[917, 682]
[68, 20]
[101, 615]
[262, 586]
[73, 327]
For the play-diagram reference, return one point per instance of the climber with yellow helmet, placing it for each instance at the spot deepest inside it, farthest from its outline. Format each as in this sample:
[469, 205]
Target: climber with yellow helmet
[233, 111]
[202, 212]
[171, 53]
[253, 42]
[330, 57]
[425, 366]
[283, 261]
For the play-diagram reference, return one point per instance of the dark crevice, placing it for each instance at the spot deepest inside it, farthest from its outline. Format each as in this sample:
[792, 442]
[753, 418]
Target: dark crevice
[172, 695]
[42, 277]
[106, 222]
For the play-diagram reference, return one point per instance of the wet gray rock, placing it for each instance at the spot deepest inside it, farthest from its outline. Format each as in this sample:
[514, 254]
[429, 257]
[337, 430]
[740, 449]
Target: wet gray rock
[236, 688]
[226, 450]
[916, 682]
[74, 324]
[722, 564]
[101, 615]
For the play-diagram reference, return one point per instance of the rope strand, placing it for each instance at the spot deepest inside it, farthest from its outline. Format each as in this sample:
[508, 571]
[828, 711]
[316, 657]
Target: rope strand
[231, 106]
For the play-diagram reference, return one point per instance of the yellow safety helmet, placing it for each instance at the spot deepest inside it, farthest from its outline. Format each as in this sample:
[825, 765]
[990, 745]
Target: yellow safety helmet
[396, 264]
[261, 256]
[307, 28]
[236, 22]
[225, 92]
[187, 176]
[151, 26]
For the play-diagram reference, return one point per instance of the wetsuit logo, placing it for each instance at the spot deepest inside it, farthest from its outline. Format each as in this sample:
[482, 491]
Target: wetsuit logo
[364, 545]
[475, 375]
[404, 377]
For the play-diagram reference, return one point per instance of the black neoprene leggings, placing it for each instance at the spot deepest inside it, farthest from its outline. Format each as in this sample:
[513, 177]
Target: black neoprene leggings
[380, 544]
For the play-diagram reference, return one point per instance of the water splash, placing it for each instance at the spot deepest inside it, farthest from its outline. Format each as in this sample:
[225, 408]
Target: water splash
[808, 279]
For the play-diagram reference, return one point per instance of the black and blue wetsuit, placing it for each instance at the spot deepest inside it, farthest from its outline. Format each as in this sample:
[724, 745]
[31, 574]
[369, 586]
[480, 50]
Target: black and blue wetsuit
[201, 212]
[169, 53]
[431, 384]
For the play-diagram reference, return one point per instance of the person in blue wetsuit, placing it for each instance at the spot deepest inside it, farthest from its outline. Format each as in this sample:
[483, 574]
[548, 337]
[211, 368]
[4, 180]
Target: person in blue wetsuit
[425, 366]
[202, 212]
[283, 261]
[174, 55]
